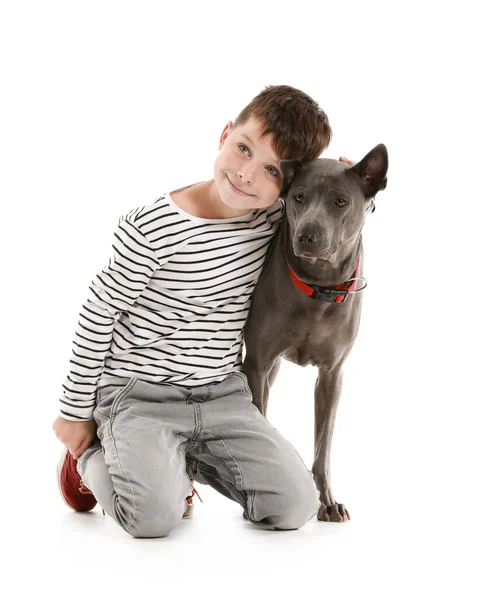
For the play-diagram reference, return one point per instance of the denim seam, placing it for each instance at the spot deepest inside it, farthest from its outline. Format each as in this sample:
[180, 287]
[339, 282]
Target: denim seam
[178, 450]
[197, 427]
[220, 460]
[236, 462]
[120, 396]
[123, 394]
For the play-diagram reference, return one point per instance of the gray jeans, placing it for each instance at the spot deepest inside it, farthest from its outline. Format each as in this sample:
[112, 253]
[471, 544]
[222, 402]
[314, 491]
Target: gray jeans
[152, 438]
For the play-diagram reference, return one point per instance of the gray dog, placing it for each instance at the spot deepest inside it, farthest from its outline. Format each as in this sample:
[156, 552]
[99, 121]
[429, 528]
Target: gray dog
[306, 306]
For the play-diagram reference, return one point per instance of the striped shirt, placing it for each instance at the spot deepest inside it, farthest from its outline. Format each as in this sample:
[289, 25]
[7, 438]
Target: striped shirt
[172, 302]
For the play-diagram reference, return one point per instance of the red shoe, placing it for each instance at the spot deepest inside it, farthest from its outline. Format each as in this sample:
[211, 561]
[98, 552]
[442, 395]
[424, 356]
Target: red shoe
[190, 505]
[73, 491]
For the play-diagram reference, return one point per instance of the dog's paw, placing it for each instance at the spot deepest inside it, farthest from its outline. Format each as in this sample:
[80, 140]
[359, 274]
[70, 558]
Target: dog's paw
[335, 513]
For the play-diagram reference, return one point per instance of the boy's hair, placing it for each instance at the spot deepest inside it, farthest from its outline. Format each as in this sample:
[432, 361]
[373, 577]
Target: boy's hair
[300, 128]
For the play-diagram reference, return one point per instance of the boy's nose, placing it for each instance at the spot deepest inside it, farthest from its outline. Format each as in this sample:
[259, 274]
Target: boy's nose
[246, 175]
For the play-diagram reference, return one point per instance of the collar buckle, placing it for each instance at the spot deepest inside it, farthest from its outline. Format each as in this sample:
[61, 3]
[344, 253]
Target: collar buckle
[328, 295]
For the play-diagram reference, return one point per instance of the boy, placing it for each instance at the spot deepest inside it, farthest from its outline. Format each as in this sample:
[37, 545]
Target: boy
[155, 397]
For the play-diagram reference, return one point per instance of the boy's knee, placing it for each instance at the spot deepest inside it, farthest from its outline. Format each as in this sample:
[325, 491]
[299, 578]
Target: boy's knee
[159, 526]
[290, 509]
[151, 520]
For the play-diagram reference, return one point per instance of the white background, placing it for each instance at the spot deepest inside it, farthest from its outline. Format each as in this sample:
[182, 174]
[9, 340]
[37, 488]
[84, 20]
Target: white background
[105, 105]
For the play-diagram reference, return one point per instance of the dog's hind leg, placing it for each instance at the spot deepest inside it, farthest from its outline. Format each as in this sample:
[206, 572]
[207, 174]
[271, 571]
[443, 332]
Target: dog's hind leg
[327, 393]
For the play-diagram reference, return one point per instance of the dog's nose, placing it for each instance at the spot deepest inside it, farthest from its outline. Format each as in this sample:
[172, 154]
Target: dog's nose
[307, 239]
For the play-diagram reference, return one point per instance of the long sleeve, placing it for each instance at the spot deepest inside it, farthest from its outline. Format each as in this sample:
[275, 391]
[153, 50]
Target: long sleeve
[113, 291]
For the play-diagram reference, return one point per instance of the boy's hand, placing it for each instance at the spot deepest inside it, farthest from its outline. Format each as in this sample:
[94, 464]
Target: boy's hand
[75, 435]
[346, 160]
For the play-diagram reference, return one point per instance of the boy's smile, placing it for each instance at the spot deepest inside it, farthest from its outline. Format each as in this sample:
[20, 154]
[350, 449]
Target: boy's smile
[237, 190]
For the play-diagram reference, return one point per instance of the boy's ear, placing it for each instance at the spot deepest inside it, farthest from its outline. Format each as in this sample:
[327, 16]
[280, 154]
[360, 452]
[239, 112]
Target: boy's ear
[224, 135]
[372, 170]
[289, 169]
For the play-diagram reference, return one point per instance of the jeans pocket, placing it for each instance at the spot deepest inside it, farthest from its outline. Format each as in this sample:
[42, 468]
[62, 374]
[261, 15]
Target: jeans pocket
[108, 397]
[244, 379]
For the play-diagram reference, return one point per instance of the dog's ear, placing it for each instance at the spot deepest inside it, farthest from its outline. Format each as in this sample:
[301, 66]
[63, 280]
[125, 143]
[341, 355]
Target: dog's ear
[288, 169]
[372, 170]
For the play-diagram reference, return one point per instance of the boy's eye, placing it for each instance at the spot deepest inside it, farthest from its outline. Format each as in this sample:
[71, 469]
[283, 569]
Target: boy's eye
[243, 148]
[273, 171]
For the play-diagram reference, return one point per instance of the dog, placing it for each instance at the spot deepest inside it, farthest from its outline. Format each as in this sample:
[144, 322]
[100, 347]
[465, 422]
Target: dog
[307, 303]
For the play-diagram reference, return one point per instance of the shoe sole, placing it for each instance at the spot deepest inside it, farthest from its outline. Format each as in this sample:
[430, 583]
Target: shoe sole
[60, 465]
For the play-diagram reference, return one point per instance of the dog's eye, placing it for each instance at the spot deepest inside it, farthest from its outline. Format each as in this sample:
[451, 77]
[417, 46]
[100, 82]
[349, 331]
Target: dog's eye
[299, 197]
[340, 202]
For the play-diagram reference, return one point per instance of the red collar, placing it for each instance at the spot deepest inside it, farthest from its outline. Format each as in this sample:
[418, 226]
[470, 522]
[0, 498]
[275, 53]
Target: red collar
[328, 294]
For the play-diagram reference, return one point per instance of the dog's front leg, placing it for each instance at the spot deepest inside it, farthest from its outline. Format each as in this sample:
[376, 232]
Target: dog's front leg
[327, 393]
[261, 375]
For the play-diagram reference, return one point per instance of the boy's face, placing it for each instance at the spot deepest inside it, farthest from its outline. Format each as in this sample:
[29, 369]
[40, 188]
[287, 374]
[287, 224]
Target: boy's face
[246, 171]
